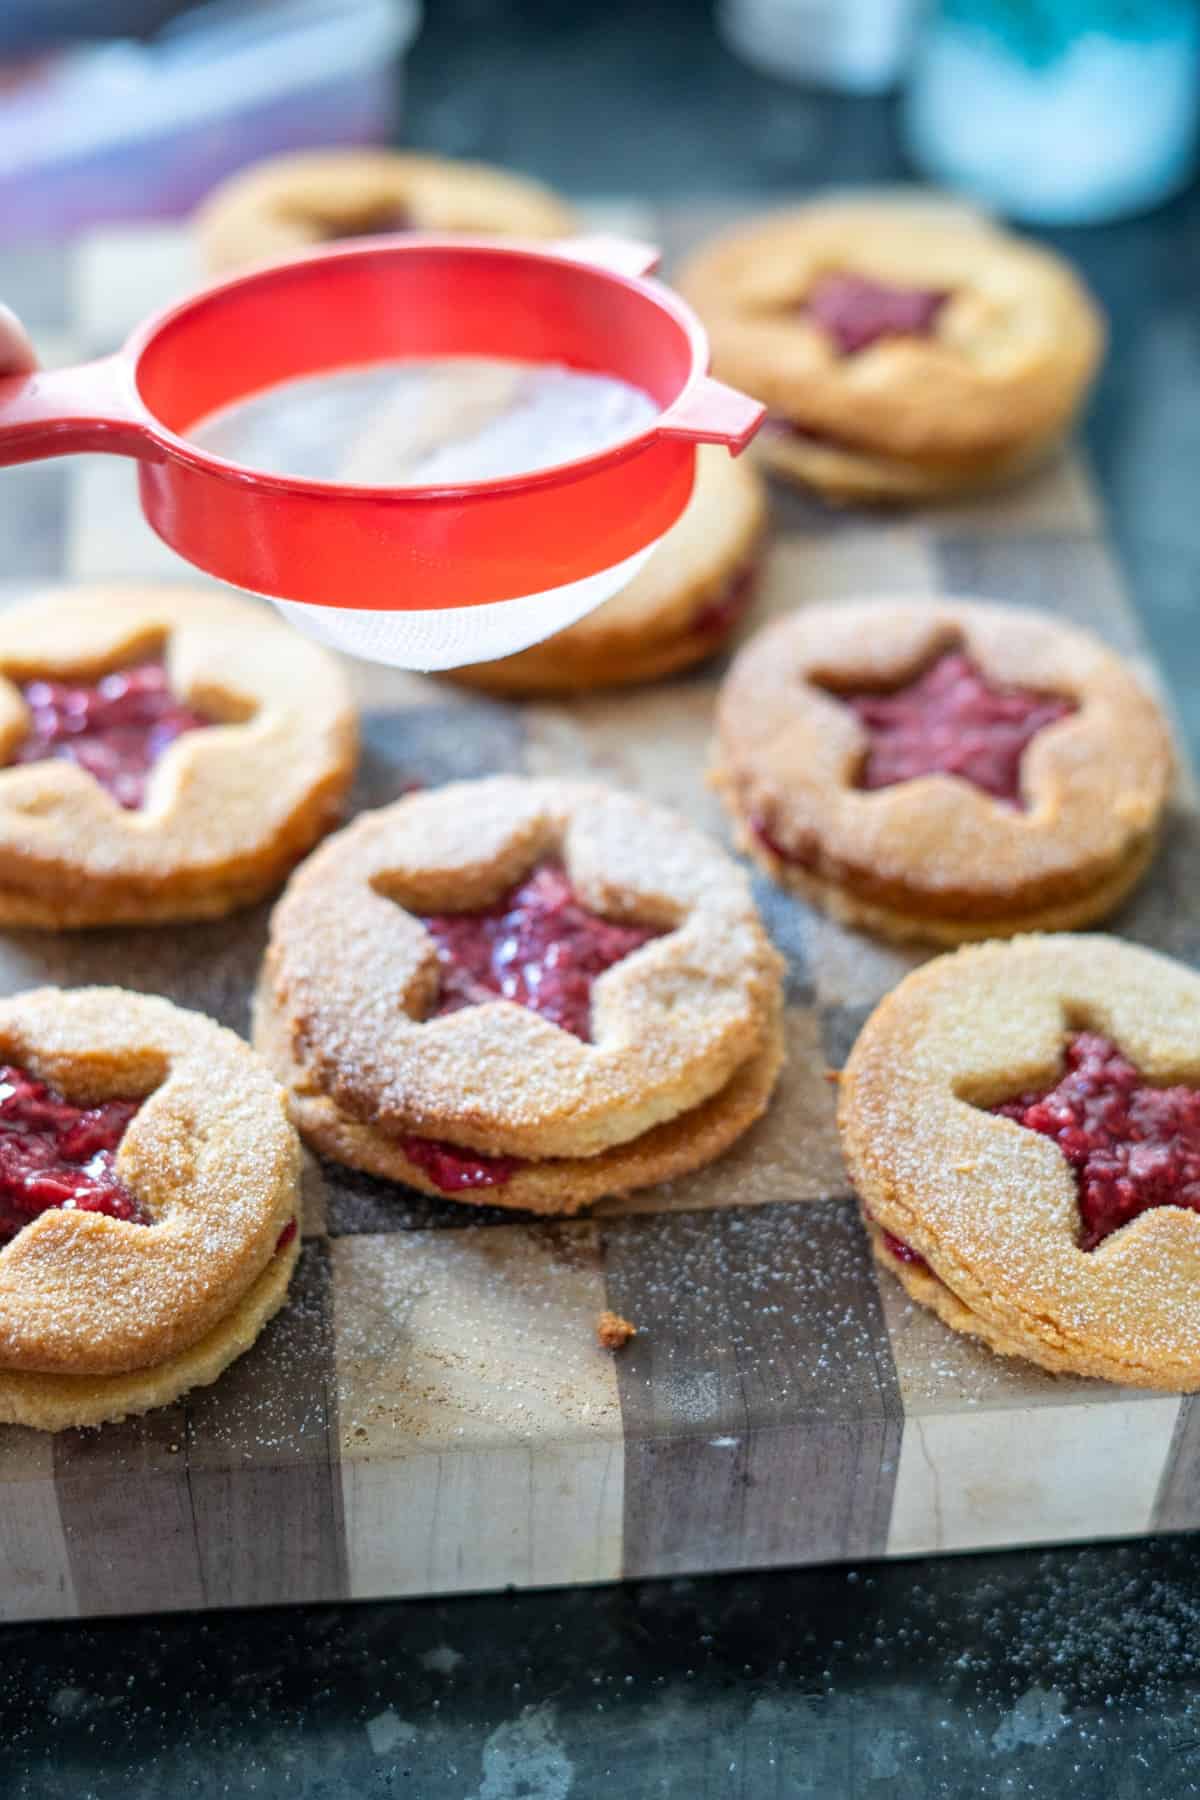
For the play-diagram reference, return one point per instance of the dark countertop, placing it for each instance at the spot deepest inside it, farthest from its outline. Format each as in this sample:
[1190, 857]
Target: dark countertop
[1068, 1671]
[1065, 1672]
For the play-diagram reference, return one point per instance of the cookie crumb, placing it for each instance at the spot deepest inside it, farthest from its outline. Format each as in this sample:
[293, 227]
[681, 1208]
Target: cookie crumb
[613, 1331]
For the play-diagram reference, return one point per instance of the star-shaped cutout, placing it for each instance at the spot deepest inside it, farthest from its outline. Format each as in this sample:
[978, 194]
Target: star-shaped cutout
[538, 945]
[1132, 1147]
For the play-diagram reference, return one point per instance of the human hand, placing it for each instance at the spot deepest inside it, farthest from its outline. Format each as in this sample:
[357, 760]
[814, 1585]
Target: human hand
[17, 354]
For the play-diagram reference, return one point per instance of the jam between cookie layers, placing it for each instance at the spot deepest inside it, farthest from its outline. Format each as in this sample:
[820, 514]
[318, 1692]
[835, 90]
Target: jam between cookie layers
[1132, 1146]
[645, 1031]
[951, 720]
[538, 946]
[56, 1154]
[226, 740]
[942, 770]
[1022, 1124]
[904, 350]
[855, 312]
[115, 728]
[149, 1186]
[858, 312]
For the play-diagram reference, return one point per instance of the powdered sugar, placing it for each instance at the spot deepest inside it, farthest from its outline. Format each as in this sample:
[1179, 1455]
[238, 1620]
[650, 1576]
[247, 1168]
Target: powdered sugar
[991, 1206]
[355, 973]
[209, 1156]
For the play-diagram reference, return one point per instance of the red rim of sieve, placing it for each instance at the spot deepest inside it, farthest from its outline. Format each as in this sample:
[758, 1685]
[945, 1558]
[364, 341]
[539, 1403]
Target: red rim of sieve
[585, 302]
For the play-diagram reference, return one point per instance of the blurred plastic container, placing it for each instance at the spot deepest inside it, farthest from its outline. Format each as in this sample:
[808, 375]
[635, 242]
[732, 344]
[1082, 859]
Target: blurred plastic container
[858, 46]
[1065, 112]
[142, 130]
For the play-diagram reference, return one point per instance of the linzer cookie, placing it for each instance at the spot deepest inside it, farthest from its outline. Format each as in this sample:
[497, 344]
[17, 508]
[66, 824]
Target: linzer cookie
[165, 753]
[903, 354]
[149, 1184]
[1022, 1124]
[527, 993]
[289, 203]
[942, 771]
[693, 594]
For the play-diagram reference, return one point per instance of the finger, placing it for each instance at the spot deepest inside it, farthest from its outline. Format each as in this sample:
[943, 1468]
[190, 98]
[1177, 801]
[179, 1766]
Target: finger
[17, 354]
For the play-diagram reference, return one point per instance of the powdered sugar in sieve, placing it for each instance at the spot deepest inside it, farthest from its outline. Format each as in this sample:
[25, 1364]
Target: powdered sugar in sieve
[416, 424]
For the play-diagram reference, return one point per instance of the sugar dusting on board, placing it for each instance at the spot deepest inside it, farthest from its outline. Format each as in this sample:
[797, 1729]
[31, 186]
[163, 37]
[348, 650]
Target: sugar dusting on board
[426, 424]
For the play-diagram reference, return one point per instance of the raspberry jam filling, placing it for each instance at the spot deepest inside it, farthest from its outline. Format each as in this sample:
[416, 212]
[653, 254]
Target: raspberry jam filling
[953, 721]
[115, 728]
[55, 1155]
[857, 312]
[538, 945]
[766, 837]
[1132, 1147]
[456, 1171]
[901, 1251]
[723, 612]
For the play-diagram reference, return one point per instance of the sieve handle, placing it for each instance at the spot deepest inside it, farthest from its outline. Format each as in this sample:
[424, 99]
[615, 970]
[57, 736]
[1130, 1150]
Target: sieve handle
[708, 412]
[56, 412]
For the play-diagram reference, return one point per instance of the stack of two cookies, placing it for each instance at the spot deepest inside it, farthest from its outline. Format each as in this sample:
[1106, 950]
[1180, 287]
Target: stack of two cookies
[1020, 1119]
[171, 755]
[647, 1031]
[168, 754]
[907, 350]
[1022, 1123]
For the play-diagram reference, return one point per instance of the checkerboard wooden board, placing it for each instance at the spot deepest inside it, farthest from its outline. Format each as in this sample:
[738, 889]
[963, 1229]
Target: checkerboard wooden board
[432, 1412]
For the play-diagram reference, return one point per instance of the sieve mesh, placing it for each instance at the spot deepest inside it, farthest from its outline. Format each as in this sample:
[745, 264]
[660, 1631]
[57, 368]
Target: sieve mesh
[449, 637]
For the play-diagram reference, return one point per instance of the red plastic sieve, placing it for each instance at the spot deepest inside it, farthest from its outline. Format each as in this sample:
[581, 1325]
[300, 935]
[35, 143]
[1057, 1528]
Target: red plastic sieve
[426, 577]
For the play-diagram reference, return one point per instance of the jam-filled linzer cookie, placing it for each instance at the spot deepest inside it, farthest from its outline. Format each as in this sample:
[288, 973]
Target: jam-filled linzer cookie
[165, 753]
[291, 202]
[682, 608]
[942, 770]
[149, 1185]
[903, 354]
[1022, 1124]
[524, 993]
